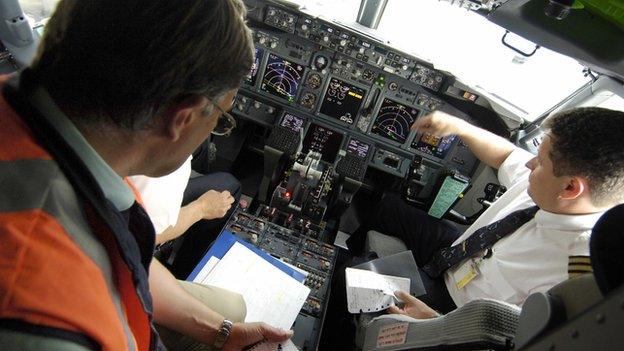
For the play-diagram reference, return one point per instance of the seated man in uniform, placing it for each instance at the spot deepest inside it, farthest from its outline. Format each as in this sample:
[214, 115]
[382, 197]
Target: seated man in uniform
[524, 242]
[118, 88]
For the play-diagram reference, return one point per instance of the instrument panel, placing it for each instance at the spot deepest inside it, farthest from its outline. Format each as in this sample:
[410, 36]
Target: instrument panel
[311, 75]
[394, 120]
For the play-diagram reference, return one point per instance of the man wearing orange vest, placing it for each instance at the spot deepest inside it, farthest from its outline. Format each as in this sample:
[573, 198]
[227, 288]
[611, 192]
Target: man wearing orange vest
[118, 88]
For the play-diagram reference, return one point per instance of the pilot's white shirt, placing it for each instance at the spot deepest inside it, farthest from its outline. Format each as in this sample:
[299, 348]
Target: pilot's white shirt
[162, 196]
[532, 259]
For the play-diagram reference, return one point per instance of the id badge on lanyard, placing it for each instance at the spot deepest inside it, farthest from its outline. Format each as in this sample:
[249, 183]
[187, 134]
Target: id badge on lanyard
[468, 271]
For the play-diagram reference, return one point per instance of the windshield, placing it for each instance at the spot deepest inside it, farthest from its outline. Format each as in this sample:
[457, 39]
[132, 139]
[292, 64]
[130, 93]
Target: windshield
[467, 45]
[456, 40]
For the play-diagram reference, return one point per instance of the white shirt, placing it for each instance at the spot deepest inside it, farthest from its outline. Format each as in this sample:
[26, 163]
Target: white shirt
[535, 257]
[162, 196]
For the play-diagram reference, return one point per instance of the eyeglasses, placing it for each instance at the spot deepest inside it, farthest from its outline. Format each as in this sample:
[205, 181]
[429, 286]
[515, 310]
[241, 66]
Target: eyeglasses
[225, 124]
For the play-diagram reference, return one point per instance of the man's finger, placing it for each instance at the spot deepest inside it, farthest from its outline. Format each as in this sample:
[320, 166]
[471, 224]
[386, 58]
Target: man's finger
[403, 296]
[395, 310]
[274, 334]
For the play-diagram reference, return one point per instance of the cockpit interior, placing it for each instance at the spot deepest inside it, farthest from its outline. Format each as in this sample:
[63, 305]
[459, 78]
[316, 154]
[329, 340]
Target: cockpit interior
[324, 132]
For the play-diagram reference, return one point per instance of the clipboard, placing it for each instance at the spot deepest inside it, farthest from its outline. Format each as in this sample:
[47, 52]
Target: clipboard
[222, 245]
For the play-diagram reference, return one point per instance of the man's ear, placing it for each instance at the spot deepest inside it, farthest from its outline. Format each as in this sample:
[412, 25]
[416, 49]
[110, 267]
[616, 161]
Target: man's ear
[180, 115]
[574, 188]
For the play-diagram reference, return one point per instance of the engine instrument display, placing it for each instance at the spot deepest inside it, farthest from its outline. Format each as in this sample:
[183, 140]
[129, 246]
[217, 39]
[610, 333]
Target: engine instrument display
[342, 101]
[292, 122]
[282, 77]
[432, 145]
[394, 121]
[358, 148]
[322, 140]
[250, 79]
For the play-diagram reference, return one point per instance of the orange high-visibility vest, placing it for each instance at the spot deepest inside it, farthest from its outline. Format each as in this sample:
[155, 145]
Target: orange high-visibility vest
[60, 265]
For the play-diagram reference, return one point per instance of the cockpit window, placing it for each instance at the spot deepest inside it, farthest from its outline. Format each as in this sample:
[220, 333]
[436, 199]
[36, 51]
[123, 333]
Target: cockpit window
[456, 40]
[469, 46]
[613, 102]
[38, 10]
[606, 99]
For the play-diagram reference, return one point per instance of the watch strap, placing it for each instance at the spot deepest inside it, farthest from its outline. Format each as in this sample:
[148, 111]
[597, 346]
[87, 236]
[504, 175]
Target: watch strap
[222, 334]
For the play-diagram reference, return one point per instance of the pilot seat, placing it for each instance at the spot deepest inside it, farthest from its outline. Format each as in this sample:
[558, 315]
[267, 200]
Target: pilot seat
[578, 314]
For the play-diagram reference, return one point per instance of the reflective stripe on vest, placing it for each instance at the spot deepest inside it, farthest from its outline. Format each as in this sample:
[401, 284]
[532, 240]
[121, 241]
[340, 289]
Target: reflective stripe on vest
[36, 191]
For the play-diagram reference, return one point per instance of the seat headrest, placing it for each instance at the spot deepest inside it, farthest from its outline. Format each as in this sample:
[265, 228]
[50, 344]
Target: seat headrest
[606, 248]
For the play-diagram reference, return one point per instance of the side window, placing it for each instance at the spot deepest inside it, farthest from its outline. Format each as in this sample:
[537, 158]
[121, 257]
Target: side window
[613, 102]
[38, 10]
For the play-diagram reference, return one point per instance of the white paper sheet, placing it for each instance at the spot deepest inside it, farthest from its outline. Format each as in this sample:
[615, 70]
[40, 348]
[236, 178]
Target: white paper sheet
[208, 267]
[271, 295]
[272, 346]
[371, 292]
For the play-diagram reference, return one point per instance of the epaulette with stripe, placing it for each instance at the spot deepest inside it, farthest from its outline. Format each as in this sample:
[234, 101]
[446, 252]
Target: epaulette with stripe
[578, 265]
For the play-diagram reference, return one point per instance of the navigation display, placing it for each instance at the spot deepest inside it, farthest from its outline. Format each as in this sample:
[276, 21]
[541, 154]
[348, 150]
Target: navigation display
[292, 122]
[394, 121]
[282, 77]
[323, 140]
[432, 145]
[358, 148]
[251, 78]
[342, 101]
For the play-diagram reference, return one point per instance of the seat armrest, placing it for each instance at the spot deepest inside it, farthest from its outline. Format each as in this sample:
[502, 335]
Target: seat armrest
[478, 325]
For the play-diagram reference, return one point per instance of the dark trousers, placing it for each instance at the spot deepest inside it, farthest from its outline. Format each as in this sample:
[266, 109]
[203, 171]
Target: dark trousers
[421, 233]
[200, 235]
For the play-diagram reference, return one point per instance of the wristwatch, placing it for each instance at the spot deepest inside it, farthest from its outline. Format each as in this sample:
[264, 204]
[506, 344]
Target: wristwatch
[222, 334]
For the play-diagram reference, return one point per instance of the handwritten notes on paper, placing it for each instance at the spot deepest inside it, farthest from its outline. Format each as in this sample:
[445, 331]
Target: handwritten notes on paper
[271, 295]
[392, 334]
[371, 292]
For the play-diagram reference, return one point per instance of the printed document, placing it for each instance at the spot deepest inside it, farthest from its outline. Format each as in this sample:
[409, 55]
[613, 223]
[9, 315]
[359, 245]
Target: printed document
[271, 295]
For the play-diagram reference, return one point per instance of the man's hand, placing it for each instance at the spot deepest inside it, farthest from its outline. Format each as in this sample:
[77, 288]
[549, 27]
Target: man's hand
[215, 204]
[439, 124]
[413, 307]
[247, 334]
